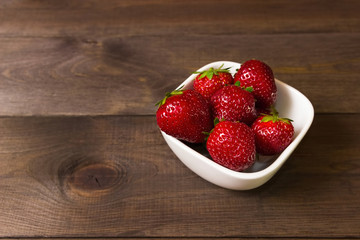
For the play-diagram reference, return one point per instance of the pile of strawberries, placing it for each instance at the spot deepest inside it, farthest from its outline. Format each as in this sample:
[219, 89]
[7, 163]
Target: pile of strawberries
[233, 114]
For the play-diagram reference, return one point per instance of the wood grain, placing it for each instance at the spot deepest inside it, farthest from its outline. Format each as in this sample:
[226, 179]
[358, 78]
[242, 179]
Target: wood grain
[119, 58]
[116, 177]
[128, 75]
[181, 238]
[155, 17]
[191, 238]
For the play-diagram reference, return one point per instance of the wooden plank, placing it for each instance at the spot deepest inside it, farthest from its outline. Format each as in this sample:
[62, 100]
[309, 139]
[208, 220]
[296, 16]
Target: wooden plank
[171, 238]
[127, 75]
[161, 238]
[115, 177]
[94, 18]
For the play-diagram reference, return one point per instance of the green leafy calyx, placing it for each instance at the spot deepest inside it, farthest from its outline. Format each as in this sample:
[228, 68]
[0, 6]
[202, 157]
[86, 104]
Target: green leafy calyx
[178, 91]
[212, 71]
[274, 117]
[248, 89]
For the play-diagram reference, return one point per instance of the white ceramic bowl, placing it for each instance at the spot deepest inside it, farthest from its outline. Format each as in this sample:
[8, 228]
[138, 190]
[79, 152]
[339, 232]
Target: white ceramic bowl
[290, 103]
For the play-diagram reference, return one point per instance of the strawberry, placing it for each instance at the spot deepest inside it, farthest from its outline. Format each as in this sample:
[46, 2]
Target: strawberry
[209, 81]
[185, 115]
[259, 76]
[233, 103]
[272, 134]
[232, 145]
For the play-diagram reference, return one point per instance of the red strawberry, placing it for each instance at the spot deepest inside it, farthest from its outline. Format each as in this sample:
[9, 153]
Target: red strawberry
[272, 134]
[259, 76]
[208, 82]
[233, 103]
[232, 145]
[184, 115]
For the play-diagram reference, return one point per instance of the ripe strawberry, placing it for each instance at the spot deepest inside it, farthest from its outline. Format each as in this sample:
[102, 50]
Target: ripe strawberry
[185, 115]
[208, 82]
[256, 74]
[232, 145]
[233, 103]
[272, 134]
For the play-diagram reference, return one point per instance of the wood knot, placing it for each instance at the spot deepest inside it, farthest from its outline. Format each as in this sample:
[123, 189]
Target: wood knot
[92, 179]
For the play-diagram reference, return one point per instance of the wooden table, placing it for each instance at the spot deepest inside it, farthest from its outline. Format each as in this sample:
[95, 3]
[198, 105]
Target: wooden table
[80, 152]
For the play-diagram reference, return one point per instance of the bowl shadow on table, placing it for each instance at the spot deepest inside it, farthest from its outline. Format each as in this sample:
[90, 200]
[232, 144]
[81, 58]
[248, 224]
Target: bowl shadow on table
[321, 160]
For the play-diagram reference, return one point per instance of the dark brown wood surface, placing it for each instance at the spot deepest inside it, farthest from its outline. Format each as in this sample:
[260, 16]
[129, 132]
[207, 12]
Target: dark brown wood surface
[80, 152]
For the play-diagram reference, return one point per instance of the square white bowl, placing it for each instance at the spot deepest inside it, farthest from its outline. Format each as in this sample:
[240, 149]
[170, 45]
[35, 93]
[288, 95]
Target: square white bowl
[290, 103]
